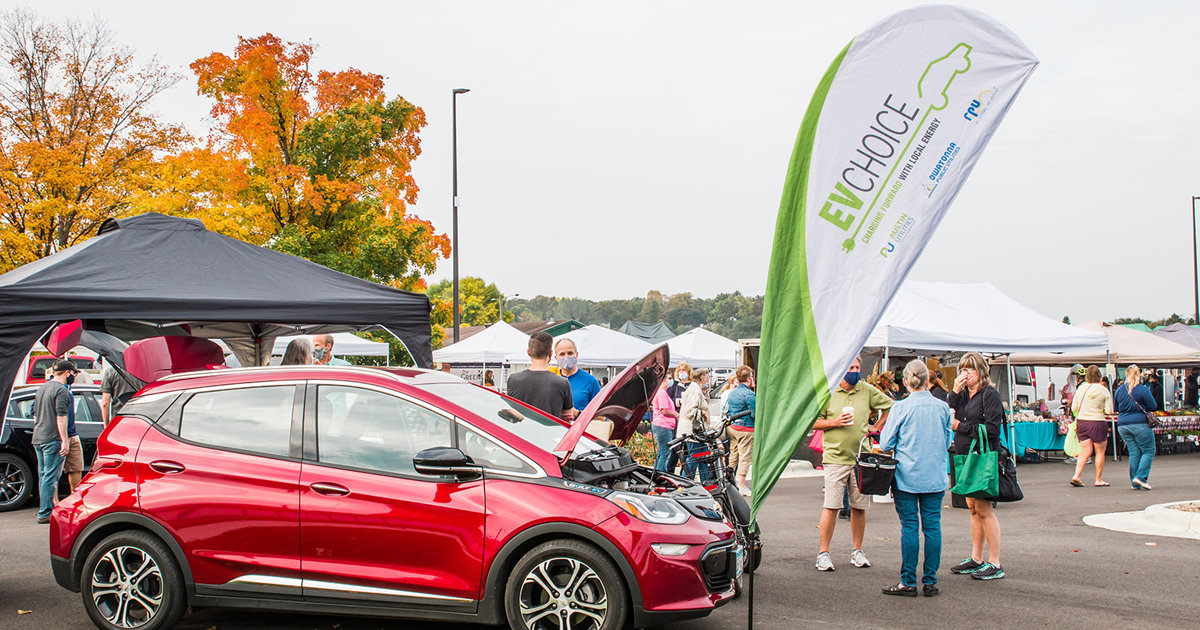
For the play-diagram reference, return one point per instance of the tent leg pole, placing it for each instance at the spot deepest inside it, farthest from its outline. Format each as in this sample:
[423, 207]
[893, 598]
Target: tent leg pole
[1012, 427]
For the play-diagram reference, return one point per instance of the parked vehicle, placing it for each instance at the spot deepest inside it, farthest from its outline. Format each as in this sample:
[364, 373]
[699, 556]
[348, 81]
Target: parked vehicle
[385, 492]
[706, 450]
[39, 364]
[18, 461]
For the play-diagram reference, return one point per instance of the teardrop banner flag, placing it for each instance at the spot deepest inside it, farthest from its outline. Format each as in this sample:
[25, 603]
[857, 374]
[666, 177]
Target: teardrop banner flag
[892, 132]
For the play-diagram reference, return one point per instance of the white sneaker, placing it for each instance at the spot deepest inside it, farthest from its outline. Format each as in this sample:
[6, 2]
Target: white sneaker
[824, 561]
[859, 559]
[1142, 484]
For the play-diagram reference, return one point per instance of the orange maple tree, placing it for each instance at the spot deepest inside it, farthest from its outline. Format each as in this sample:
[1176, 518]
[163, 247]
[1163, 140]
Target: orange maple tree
[318, 167]
[78, 140]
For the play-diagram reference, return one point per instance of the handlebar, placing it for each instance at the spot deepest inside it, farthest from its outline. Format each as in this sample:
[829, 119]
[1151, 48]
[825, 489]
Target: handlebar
[712, 433]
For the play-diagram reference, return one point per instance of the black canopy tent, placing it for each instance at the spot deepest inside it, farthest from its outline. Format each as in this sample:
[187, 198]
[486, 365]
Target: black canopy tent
[153, 274]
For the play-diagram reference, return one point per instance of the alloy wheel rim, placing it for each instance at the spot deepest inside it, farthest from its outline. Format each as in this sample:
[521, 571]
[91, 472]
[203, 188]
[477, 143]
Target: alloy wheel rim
[12, 483]
[563, 594]
[127, 587]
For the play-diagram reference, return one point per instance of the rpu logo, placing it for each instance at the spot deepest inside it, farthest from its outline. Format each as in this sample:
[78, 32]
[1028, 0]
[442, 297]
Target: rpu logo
[980, 105]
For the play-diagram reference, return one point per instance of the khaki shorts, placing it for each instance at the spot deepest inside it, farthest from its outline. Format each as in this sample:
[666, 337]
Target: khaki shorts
[837, 478]
[74, 461]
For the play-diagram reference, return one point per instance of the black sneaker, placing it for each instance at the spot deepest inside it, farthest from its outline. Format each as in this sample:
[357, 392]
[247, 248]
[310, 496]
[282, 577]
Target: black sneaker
[901, 590]
[844, 514]
[930, 590]
[966, 567]
[988, 571]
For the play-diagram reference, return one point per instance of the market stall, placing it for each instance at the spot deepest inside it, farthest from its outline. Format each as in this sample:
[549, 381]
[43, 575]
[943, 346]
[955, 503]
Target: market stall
[702, 348]
[598, 347]
[472, 357]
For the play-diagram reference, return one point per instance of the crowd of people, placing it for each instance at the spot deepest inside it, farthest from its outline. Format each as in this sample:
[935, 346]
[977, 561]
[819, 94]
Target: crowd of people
[919, 427]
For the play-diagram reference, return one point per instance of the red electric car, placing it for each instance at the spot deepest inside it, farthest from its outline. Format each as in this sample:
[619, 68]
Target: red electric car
[386, 492]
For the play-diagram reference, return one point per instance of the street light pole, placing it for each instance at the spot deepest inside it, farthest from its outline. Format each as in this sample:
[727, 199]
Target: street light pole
[454, 227]
[1195, 264]
[501, 298]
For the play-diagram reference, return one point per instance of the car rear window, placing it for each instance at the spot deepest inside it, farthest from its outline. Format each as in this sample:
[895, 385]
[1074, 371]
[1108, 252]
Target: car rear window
[530, 426]
[255, 419]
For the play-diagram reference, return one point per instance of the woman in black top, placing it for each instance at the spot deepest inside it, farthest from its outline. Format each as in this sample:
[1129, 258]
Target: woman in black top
[935, 385]
[976, 403]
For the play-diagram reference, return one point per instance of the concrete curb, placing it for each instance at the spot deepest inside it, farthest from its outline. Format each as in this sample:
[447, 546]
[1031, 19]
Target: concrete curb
[1155, 520]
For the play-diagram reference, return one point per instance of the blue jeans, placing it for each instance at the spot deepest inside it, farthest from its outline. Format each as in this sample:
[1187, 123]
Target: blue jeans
[928, 506]
[662, 436]
[1140, 440]
[50, 465]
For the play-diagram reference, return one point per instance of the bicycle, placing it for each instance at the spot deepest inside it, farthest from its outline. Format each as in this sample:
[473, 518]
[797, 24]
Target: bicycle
[716, 477]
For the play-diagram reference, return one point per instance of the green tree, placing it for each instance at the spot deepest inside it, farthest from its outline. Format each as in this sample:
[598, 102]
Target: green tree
[479, 301]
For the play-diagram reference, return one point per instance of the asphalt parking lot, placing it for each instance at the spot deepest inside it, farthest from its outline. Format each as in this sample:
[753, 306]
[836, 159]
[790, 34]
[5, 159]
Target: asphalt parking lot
[1061, 573]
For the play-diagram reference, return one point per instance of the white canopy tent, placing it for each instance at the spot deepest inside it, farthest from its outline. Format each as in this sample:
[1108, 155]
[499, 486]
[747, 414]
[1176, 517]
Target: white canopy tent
[344, 345]
[598, 347]
[703, 349]
[933, 317]
[492, 346]
[1125, 346]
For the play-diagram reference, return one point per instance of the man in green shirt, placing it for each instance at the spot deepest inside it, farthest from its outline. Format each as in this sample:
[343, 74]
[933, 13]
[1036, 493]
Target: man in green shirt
[843, 433]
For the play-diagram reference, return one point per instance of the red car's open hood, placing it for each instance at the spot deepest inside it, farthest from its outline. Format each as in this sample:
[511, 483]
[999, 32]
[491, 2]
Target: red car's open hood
[623, 401]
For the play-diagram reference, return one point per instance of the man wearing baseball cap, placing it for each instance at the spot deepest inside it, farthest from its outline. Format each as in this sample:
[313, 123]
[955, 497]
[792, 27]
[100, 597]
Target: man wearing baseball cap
[51, 407]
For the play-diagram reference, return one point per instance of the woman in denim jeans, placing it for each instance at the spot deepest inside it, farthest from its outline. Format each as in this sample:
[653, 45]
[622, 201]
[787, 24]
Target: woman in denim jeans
[918, 434]
[662, 423]
[1133, 428]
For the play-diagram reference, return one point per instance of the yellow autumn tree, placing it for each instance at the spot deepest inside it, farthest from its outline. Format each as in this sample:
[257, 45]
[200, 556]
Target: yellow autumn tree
[78, 140]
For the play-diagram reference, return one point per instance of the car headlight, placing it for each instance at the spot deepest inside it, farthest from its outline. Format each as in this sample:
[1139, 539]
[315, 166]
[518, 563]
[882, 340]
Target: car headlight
[660, 510]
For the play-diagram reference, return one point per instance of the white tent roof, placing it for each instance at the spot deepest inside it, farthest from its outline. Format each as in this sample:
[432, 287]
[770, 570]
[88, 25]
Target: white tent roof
[490, 346]
[1125, 346]
[703, 349]
[344, 345]
[939, 317]
[598, 347]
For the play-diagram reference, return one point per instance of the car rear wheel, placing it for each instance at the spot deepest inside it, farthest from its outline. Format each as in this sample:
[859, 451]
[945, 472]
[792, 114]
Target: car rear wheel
[566, 585]
[131, 580]
[16, 482]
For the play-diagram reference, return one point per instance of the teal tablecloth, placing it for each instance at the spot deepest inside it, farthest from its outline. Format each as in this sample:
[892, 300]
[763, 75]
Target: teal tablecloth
[1040, 436]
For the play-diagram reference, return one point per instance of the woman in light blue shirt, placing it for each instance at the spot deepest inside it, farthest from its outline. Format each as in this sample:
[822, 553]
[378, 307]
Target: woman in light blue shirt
[918, 435]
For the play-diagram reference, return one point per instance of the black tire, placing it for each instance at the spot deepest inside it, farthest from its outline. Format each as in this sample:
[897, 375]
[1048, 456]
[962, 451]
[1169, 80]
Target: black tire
[16, 482]
[145, 586]
[599, 600]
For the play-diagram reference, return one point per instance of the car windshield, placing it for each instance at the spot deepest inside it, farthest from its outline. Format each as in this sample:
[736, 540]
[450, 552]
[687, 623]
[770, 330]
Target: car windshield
[530, 426]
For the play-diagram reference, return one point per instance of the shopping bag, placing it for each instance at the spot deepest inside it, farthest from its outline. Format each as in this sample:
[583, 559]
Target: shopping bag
[817, 443]
[1009, 490]
[1071, 446]
[874, 471]
[977, 473]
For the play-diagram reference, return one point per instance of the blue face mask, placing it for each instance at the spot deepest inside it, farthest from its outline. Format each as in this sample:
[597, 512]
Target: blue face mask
[852, 378]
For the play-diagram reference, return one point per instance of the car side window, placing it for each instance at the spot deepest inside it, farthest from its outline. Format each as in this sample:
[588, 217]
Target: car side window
[82, 412]
[485, 452]
[255, 419]
[21, 408]
[372, 430]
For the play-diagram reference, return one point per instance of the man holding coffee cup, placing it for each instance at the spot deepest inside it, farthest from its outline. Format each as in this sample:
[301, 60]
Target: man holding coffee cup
[844, 422]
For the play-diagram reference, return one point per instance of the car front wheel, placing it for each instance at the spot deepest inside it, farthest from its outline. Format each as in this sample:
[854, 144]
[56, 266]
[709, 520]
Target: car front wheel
[566, 585]
[131, 580]
[16, 482]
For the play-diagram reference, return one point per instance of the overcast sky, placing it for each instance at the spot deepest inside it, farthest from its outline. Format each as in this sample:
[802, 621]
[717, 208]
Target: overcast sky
[610, 148]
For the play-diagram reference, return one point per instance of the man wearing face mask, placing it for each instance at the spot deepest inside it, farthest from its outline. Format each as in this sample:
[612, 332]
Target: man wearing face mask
[584, 386]
[323, 351]
[844, 422]
[51, 405]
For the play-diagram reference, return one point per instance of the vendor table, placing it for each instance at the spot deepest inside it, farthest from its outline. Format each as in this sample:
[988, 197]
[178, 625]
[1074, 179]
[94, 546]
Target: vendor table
[1039, 436]
[1177, 423]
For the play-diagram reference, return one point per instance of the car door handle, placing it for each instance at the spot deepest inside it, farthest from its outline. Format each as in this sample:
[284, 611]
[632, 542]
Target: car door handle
[164, 466]
[330, 489]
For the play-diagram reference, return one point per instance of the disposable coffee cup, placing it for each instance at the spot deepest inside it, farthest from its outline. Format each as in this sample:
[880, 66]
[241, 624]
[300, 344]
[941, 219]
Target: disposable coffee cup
[848, 410]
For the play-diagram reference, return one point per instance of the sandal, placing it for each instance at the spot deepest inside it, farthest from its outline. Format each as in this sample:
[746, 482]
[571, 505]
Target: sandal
[1077, 483]
[1101, 484]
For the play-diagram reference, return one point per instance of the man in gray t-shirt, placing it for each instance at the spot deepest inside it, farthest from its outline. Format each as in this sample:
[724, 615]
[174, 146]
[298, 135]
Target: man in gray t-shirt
[114, 391]
[51, 406]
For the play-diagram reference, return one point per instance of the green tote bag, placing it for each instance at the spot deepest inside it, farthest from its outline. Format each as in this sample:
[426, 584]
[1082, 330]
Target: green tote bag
[977, 474]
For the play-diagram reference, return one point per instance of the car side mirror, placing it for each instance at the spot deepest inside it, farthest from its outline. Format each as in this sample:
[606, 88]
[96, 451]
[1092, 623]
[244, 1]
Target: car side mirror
[444, 460]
